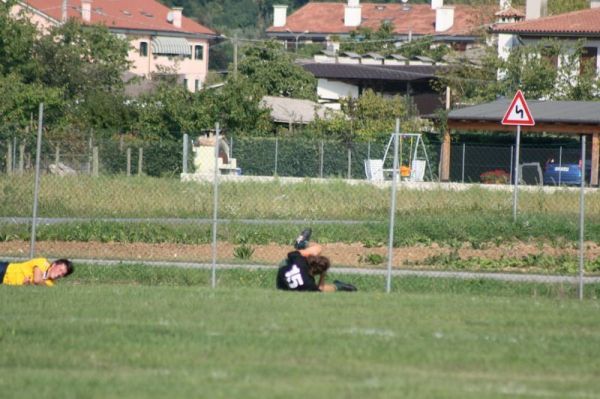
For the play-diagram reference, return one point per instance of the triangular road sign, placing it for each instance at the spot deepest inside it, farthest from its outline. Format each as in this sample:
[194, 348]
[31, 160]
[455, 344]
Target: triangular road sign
[518, 112]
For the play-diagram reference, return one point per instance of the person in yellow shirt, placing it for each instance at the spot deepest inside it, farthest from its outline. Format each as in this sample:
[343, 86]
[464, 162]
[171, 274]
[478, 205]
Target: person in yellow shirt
[36, 271]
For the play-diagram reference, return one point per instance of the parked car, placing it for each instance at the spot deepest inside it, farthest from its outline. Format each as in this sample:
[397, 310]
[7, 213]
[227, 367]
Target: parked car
[568, 174]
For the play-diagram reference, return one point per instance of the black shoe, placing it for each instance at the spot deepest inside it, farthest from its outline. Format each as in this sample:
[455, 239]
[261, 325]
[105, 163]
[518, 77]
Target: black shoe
[341, 286]
[302, 240]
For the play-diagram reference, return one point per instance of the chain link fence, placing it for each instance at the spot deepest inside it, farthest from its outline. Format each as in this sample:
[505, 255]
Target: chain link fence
[122, 199]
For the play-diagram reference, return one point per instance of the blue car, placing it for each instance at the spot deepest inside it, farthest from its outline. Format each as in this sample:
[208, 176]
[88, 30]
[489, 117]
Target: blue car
[568, 174]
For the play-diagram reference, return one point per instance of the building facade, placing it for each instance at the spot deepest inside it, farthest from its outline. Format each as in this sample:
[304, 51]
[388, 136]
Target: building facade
[161, 38]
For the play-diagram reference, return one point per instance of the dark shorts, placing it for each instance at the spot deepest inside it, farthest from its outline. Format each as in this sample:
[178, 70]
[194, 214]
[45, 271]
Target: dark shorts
[3, 267]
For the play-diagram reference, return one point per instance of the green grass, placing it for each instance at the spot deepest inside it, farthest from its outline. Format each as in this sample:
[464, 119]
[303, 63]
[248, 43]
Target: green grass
[108, 332]
[475, 216]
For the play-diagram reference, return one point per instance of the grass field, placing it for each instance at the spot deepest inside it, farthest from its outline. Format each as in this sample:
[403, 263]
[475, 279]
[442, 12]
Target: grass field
[156, 333]
[476, 216]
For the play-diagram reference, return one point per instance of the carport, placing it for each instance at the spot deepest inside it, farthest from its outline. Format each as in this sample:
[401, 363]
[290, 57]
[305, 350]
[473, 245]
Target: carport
[559, 117]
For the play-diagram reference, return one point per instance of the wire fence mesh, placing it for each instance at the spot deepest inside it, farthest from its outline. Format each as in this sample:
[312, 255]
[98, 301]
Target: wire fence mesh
[124, 199]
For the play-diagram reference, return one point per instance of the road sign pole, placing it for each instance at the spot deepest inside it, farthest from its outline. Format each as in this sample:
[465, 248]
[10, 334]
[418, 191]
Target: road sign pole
[517, 175]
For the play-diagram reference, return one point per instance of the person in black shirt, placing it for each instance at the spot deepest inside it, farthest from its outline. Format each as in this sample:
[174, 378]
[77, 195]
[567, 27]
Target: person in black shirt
[298, 271]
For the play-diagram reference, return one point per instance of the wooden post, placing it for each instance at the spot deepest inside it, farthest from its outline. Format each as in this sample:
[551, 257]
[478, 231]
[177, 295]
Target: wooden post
[95, 161]
[57, 155]
[595, 158]
[128, 161]
[9, 154]
[445, 157]
[140, 161]
[21, 158]
[445, 152]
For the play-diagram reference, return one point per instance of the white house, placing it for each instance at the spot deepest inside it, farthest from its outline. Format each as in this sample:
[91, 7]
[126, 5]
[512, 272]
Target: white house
[160, 37]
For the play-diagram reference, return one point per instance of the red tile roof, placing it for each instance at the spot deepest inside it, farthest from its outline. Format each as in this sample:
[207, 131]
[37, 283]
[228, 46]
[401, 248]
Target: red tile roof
[417, 18]
[577, 22]
[510, 12]
[123, 14]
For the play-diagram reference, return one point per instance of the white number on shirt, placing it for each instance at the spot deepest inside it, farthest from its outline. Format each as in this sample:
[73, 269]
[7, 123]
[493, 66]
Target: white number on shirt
[294, 278]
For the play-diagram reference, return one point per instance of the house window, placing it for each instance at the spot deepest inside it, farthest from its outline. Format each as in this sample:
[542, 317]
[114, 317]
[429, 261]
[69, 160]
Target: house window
[588, 61]
[144, 49]
[199, 52]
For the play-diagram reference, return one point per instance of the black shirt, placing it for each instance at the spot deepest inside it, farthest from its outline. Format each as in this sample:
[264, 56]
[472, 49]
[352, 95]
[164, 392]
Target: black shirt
[294, 274]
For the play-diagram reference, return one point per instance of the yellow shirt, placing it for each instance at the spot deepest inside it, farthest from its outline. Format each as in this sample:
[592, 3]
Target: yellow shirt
[16, 273]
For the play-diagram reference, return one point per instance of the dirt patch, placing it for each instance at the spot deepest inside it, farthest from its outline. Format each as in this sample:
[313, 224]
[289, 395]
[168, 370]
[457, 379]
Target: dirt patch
[353, 255]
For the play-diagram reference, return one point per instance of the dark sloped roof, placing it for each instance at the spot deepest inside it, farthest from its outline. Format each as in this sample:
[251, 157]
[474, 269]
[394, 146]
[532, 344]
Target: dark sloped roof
[570, 112]
[375, 72]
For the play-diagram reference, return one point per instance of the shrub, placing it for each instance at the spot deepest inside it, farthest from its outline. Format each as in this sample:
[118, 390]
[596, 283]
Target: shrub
[496, 176]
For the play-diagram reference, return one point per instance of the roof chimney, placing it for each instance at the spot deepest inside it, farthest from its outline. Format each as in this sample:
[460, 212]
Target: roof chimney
[174, 16]
[352, 13]
[64, 14]
[535, 9]
[444, 18]
[435, 4]
[279, 16]
[86, 10]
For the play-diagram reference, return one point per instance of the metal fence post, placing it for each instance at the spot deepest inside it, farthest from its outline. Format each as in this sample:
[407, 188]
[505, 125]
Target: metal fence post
[581, 218]
[516, 183]
[215, 209]
[393, 209]
[462, 179]
[95, 161]
[349, 174]
[21, 158]
[276, 155]
[36, 188]
[184, 168]
[560, 164]
[512, 156]
[14, 155]
[321, 154]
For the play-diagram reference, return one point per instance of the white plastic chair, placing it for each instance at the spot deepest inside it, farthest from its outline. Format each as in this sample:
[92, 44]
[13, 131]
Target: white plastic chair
[374, 169]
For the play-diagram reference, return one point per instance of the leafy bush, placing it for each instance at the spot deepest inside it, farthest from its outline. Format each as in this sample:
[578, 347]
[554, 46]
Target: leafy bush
[496, 176]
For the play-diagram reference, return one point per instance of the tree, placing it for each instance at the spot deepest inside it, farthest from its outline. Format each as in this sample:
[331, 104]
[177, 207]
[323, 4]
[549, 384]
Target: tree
[87, 64]
[369, 117]
[272, 69]
[17, 38]
[535, 69]
[239, 108]
[549, 69]
[79, 58]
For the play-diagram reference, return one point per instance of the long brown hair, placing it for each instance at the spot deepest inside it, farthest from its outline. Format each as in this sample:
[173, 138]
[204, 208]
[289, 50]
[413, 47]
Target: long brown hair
[317, 264]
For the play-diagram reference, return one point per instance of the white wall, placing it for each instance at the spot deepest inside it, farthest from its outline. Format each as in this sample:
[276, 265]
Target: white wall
[334, 90]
